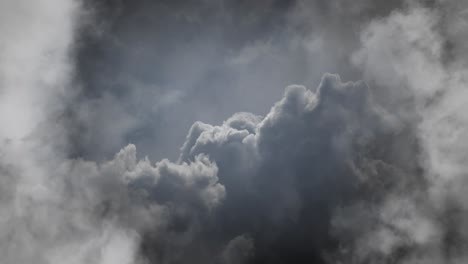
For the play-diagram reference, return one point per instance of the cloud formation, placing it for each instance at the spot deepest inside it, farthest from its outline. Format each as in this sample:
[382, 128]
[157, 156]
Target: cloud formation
[421, 220]
[372, 171]
[243, 188]
[197, 61]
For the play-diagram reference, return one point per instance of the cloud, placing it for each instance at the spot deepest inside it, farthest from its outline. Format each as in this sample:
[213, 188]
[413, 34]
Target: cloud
[301, 155]
[420, 219]
[214, 53]
[165, 200]
[35, 63]
[354, 172]
[238, 250]
[215, 203]
[61, 210]
[83, 212]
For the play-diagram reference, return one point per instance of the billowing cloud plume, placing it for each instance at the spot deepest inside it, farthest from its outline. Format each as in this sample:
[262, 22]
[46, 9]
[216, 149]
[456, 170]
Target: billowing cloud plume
[420, 221]
[188, 61]
[372, 171]
[243, 188]
[58, 210]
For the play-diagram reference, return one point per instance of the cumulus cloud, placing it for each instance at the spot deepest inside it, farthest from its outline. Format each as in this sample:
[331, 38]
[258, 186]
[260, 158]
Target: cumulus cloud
[164, 199]
[349, 172]
[284, 173]
[239, 189]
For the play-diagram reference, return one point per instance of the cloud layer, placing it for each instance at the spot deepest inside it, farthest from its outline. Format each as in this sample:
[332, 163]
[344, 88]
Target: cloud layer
[372, 171]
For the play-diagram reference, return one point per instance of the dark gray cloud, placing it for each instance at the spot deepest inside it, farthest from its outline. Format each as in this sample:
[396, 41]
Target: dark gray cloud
[372, 171]
[238, 250]
[284, 174]
[167, 64]
[420, 218]
[254, 189]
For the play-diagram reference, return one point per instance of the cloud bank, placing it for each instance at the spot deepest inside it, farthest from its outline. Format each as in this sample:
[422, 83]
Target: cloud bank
[371, 171]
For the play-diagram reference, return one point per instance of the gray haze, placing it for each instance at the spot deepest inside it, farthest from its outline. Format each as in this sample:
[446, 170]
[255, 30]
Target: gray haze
[202, 60]
[173, 132]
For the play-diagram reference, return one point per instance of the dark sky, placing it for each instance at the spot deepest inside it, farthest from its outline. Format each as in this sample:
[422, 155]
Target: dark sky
[233, 132]
[183, 61]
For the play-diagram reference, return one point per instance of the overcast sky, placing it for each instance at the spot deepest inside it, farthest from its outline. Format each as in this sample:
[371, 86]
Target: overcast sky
[233, 132]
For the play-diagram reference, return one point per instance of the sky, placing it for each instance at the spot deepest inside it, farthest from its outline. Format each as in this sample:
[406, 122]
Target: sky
[233, 132]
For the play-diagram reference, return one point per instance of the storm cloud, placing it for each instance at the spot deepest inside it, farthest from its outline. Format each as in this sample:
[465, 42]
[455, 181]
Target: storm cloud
[141, 132]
